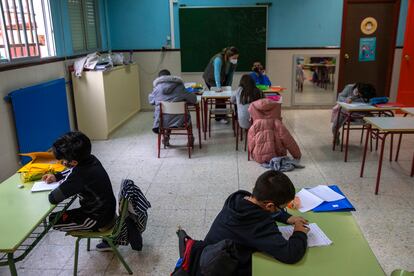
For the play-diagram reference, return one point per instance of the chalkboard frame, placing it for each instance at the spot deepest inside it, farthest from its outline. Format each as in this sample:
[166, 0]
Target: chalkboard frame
[184, 67]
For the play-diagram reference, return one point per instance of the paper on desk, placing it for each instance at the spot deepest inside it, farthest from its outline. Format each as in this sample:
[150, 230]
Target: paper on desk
[326, 193]
[308, 201]
[359, 105]
[189, 84]
[316, 237]
[41, 186]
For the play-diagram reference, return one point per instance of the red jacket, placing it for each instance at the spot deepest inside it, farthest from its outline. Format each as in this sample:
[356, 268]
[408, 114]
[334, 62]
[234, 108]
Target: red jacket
[268, 137]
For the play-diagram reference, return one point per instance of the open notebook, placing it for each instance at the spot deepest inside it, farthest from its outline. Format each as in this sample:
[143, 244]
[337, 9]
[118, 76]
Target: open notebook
[311, 198]
[41, 186]
[316, 237]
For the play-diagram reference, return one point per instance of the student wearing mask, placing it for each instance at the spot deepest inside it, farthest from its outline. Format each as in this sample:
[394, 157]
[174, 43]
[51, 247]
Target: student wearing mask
[219, 72]
[259, 74]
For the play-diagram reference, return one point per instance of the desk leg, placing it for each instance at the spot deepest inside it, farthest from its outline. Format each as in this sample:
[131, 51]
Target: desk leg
[391, 146]
[348, 126]
[398, 147]
[202, 114]
[380, 161]
[336, 129]
[412, 167]
[12, 265]
[205, 111]
[369, 128]
[198, 124]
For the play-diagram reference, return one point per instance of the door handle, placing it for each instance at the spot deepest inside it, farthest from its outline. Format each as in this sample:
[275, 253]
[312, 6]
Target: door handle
[346, 56]
[407, 57]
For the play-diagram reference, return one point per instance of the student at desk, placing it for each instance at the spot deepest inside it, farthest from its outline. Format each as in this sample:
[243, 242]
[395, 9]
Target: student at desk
[169, 89]
[85, 177]
[242, 97]
[352, 93]
[249, 220]
[259, 75]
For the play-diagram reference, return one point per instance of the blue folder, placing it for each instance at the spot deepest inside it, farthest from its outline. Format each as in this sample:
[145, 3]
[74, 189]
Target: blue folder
[342, 205]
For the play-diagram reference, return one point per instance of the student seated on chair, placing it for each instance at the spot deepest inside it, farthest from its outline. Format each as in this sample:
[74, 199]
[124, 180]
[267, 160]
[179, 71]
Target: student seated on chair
[242, 97]
[86, 178]
[169, 89]
[352, 93]
[259, 75]
[249, 219]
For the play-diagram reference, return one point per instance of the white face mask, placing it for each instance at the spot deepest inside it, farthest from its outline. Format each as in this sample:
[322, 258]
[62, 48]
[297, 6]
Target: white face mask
[233, 60]
[355, 92]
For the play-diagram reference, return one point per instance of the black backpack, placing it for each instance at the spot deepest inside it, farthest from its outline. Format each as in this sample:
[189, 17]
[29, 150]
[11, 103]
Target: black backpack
[199, 259]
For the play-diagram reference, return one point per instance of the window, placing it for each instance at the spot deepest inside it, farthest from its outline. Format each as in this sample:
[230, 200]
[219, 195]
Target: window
[84, 25]
[25, 30]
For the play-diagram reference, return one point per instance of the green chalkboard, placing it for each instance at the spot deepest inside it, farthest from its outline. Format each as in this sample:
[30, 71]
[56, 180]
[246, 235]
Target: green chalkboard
[206, 31]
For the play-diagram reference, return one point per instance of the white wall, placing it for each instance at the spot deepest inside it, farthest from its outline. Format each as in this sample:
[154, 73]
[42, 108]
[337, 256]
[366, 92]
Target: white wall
[9, 81]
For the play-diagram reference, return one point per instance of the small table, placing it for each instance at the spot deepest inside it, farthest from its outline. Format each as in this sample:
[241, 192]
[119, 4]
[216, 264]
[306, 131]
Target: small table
[408, 110]
[349, 110]
[386, 126]
[21, 212]
[212, 95]
[274, 90]
[349, 254]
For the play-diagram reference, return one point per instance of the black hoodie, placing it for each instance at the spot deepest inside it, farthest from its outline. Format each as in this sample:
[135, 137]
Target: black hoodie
[254, 229]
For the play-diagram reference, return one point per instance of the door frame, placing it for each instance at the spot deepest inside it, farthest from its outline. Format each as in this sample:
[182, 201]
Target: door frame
[391, 53]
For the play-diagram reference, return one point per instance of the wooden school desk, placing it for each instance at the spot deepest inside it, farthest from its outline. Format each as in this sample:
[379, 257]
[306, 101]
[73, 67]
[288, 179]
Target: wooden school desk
[211, 95]
[349, 254]
[349, 109]
[386, 126]
[408, 110]
[21, 212]
[274, 90]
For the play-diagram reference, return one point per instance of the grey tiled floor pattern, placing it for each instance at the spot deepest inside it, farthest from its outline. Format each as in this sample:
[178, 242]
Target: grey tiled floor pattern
[190, 192]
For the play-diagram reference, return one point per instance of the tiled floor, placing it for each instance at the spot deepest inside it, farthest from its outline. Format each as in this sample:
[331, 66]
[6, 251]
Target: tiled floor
[190, 192]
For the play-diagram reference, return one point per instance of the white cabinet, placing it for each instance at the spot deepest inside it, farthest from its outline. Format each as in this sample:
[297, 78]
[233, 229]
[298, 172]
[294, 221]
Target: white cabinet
[105, 100]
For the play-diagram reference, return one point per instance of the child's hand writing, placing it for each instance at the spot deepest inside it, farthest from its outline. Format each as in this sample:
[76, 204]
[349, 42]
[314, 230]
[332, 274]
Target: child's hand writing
[294, 220]
[299, 226]
[49, 178]
[348, 100]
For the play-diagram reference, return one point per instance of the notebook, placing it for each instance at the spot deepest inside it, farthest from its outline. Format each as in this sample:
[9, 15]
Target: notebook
[313, 197]
[316, 237]
[41, 186]
[342, 205]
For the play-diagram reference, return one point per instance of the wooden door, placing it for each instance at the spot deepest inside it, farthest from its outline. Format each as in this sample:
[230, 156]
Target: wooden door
[406, 84]
[367, 43]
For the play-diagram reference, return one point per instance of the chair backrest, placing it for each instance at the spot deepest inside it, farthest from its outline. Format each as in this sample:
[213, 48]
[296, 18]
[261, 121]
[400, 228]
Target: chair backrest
[123, 212]
[173, 107]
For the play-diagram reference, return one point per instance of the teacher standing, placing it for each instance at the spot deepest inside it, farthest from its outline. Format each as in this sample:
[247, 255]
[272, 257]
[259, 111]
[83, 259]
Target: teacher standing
[219, 72]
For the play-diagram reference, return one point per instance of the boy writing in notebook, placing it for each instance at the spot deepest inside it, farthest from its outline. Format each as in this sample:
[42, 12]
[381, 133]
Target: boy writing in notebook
[249, 219]
[86, 178]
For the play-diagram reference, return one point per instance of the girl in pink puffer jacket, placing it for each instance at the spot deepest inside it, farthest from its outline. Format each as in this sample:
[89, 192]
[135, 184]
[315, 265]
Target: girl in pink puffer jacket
[268, 137]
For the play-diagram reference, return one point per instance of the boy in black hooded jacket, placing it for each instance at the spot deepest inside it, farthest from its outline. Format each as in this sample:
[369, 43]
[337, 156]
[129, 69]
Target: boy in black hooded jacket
[249, 220]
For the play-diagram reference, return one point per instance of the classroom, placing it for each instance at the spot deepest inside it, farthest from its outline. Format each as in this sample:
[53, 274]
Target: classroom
[207, 137]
